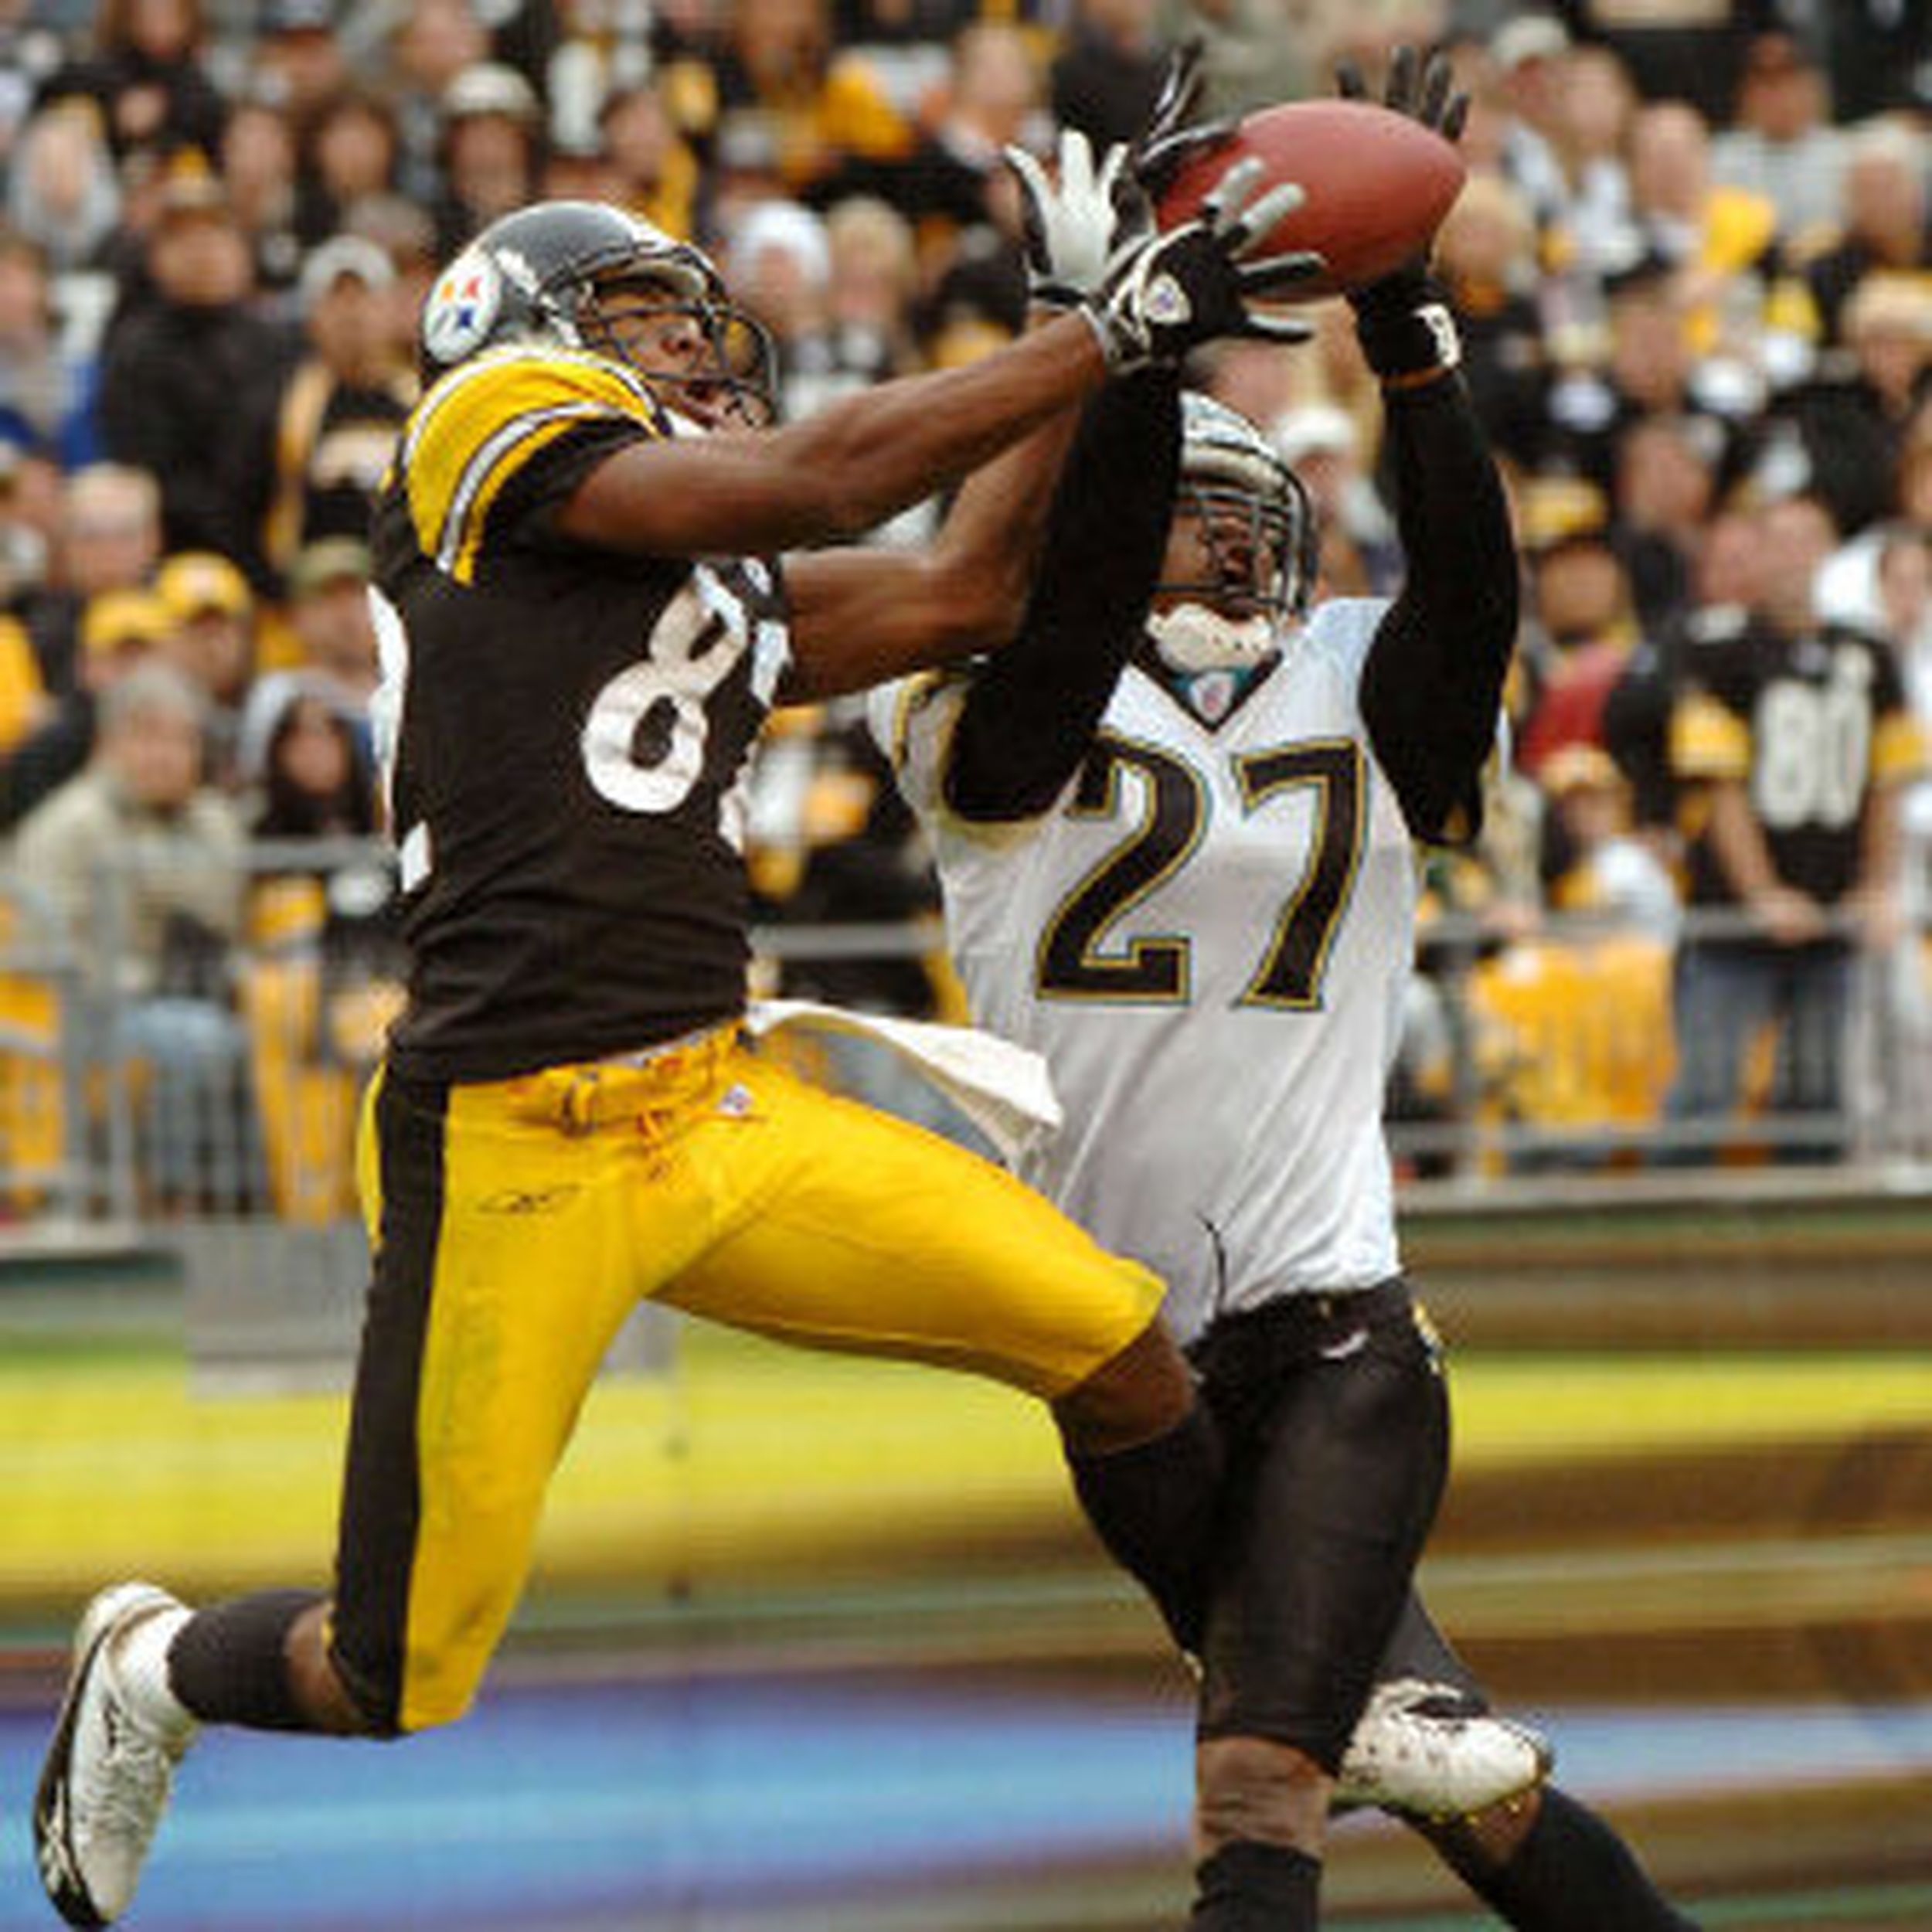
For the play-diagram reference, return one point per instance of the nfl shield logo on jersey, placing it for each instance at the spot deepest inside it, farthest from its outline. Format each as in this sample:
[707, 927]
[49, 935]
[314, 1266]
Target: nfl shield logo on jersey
[462, 308]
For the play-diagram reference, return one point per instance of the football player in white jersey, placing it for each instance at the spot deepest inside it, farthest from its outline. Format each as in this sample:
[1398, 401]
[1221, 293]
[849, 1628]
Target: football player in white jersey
[1176, 827]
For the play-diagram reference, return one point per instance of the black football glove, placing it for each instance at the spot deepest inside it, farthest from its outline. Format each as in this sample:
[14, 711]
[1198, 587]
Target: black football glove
[1075, 224]
[1171, 140]
[1166, 295]
[1403, 320]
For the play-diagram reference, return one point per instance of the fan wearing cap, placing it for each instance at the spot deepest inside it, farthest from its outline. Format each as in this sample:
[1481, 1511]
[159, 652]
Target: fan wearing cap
[492, 150]
[1528, 58]
[118, 628]
[212, 642]
[1321, 443]
[1596, 864]
[328, 615]
[339, 413]
[188, 381]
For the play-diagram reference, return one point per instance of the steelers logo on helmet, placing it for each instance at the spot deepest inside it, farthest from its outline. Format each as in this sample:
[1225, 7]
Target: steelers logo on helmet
[462, 308]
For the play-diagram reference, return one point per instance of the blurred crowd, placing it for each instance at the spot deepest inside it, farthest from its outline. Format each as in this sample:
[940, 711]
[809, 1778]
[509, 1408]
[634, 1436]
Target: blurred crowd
[1694, 262]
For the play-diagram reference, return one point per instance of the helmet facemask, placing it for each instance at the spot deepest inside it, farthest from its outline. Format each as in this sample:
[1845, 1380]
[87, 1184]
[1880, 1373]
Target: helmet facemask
[708, 362]
[1247, 584]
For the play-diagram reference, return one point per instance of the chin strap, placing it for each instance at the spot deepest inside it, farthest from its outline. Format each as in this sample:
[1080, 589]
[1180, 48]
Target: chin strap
[1191, 638]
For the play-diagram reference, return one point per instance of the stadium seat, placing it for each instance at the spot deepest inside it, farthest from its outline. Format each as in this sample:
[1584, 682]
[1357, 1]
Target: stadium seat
[1572, 1036]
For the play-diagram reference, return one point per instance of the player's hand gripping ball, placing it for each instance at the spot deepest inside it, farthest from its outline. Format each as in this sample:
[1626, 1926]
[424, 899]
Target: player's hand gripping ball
[1377, 184]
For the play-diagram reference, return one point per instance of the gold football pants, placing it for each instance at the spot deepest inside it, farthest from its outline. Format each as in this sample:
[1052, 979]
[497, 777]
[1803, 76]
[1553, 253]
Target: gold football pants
[516, 1223]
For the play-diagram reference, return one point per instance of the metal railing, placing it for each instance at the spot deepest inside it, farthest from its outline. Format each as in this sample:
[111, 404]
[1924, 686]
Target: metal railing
[1557, 1052]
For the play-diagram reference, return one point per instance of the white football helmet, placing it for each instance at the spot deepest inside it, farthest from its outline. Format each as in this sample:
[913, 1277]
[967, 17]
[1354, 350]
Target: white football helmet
[1257, 536]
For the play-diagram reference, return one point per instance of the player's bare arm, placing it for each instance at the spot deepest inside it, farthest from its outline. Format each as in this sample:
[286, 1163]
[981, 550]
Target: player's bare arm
[835, 474]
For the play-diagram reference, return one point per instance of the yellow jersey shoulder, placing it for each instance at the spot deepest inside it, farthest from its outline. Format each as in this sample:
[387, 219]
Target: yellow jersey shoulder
[481, 425]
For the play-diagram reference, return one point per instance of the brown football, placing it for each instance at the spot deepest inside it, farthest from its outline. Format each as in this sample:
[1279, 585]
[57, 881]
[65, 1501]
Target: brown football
[1378, 185]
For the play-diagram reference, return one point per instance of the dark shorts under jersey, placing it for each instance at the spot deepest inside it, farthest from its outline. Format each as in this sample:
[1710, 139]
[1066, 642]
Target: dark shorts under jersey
[1337, 1428]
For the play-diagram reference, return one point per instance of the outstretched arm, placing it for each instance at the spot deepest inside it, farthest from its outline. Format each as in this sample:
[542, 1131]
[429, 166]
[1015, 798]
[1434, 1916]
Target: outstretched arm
[857, 619]
[837, 473]
[1432, 686]
[1032, 711]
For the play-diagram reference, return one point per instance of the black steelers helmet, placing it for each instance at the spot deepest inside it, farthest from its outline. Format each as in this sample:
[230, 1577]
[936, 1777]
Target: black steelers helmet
[555, 271]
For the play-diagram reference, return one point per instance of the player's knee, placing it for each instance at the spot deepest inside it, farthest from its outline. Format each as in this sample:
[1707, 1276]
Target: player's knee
[1139, 1393]
[1257, 1790]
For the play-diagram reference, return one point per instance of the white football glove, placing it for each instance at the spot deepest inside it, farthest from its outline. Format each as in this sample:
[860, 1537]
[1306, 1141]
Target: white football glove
[1073, 226]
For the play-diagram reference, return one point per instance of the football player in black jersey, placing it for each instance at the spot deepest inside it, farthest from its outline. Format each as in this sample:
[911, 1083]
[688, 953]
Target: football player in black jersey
[1792, 740]
[583, 618]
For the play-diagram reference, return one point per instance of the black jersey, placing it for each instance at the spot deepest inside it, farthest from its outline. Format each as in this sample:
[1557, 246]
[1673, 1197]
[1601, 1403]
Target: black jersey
[1808, 724]
[565, 733]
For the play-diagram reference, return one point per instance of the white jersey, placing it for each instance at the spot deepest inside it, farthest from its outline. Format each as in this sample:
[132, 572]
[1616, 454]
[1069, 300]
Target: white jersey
[1209, 939]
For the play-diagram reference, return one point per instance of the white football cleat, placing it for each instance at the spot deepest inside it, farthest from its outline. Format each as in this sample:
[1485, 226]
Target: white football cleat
[108, 1770]
[1431, 1750]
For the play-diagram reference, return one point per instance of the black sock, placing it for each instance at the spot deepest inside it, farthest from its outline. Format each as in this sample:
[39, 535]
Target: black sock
[1153, 1507]
[1572, 1873]
[228, 1663]
[1250, 1887]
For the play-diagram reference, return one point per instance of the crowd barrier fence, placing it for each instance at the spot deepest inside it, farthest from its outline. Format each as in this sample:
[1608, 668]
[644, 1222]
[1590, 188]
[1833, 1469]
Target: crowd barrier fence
[1551, 1053]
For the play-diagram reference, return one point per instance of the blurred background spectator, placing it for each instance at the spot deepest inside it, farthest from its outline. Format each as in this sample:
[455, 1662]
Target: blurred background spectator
[1781, 143]
[1885, 221]
[212, 641]
[492, 151]
[106, 535]
[144, 71]
[1794, 741]
[139, 847]
[62, 193]
[333, 645]
[189, 379]
[339, 412]
[47, 390]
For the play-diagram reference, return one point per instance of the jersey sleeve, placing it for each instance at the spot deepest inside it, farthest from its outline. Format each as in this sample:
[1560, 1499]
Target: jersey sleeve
[1710, 732]
[914, 722]
[1898, 740]
[1432, 686]
[493, 446]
